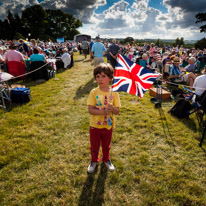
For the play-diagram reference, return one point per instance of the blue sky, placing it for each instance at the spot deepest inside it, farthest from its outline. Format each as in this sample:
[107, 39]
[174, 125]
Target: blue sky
[157, 4]
[164, 19]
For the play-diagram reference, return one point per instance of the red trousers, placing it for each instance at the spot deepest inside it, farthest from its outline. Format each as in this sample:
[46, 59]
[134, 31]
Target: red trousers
[97, 137]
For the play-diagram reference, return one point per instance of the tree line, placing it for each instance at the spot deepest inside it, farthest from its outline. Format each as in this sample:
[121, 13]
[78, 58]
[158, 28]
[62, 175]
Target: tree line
[38, 23]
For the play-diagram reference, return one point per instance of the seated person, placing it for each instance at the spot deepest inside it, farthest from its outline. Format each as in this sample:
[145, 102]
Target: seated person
[200, 88]
[191, 66]
[144, 61]
[38, 63]
[13, 55]
[36, 56]
[200, 83]
[176, 74]
[153, 65]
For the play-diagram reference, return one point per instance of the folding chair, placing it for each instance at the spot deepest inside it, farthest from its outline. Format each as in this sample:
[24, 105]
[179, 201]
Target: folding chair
[5, 99]
[199, 107]
[16, 68]
[41, 73]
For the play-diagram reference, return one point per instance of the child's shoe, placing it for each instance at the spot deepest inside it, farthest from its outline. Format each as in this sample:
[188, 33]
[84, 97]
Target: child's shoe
[92, 167]
[109, 165]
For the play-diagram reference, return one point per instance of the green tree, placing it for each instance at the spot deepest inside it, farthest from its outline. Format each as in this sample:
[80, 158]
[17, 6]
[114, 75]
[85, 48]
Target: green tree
[181, 42]
[18, 36]
[177, 42]
[35, 21]
[157, 43]
[201, 44]
[201, 17]
[128, 39]
[40, 23]
[62, 24]
[11, 26]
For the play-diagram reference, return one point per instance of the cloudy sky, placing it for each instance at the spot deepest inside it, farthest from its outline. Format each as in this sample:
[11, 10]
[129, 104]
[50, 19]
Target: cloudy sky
[140, 19]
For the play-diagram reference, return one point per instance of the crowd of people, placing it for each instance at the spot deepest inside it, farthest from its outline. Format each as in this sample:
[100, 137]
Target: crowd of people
[176, 64]
[35, 51]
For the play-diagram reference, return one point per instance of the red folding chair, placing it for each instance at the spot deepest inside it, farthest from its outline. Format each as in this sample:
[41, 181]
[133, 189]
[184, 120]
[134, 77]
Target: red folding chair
[16, 68]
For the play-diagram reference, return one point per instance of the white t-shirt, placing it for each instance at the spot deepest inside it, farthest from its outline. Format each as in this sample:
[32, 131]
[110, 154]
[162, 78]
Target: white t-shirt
[200, 84]
[66, 59]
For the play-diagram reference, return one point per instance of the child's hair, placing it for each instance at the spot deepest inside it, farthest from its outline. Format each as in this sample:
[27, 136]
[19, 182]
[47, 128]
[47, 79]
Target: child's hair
[105, 68]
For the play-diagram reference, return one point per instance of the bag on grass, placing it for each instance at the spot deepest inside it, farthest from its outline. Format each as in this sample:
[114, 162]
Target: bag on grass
[20, 95]
[181, 109]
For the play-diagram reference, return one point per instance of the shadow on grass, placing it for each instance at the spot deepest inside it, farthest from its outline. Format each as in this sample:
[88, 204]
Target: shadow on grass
[79, 60]
[97, 198]
[166, 128]
[87, 60]
[61, 70]
[85, 89]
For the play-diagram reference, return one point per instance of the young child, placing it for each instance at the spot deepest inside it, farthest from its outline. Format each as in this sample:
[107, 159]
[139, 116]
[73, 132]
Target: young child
[103, 104]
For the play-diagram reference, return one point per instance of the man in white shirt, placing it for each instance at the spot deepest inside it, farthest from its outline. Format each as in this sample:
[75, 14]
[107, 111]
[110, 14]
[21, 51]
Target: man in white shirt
[200, 83]
[66, 58]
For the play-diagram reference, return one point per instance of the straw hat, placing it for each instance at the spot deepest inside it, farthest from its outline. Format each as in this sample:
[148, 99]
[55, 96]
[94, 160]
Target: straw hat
[176, 60]
[172, 56]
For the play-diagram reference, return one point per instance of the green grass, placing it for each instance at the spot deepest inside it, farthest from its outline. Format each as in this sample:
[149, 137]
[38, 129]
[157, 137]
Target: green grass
[44, 151]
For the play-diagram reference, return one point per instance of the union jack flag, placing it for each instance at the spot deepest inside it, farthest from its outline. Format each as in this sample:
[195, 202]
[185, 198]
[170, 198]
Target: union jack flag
[131, 77]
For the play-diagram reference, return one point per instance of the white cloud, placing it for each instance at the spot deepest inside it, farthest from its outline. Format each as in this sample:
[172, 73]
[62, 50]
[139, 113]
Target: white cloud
[15, 6]
[124, 19]
[142, 21]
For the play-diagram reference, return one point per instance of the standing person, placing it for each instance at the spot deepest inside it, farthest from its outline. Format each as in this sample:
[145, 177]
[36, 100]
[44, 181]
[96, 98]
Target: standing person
[113, 51]
[23, 46]
[152, 49]
[79, 46]
[158, 60]
[85, 48]
[103, 105]
[98, 51]
[90, 46]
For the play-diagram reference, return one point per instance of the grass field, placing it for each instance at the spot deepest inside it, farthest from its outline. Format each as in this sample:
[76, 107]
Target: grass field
[44, 151]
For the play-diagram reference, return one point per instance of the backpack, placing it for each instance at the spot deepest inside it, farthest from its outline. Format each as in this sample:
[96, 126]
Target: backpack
[20, 95]
[181, 109]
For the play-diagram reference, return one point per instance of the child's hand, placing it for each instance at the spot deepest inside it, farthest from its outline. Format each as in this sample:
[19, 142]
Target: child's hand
[109, 108]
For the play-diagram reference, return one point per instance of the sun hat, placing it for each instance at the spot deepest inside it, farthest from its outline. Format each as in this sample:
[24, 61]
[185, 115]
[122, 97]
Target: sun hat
[172, 56]
[176, 60]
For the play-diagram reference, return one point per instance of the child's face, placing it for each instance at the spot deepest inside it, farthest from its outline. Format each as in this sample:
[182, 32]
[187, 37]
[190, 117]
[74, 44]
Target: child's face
[102, 80]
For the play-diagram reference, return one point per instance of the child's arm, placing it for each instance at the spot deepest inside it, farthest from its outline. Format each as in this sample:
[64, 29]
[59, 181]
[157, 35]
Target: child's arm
[106, 111]
[95, 111]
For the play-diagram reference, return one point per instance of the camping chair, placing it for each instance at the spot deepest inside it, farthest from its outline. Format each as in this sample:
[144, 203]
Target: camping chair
[41, 73]
[199, 108]
[16, 68]
[5, 99]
